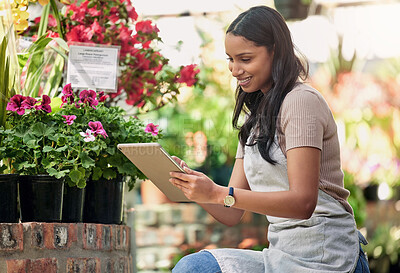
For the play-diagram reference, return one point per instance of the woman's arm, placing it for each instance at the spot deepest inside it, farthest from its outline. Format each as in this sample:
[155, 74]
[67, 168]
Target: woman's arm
[203, 188]
[298, 202]
[229, 216]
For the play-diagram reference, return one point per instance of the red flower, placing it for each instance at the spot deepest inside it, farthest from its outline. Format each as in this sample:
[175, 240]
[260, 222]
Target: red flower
[94, 12]
[130, 9]
[88, 97]
[188, 74]
[102, 97]
[114, 15]
[80, 34]
[146, 27]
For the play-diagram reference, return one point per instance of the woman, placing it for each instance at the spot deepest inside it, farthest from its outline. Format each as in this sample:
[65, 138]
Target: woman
[287, 164]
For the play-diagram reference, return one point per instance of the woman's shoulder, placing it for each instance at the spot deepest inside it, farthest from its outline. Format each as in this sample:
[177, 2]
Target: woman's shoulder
[305, 95]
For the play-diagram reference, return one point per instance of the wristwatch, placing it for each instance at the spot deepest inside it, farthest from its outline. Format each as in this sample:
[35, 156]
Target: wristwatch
[229, 200]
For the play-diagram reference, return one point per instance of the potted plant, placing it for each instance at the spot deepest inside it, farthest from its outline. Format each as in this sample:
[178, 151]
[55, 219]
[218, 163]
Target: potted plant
[105, 127]
[33, 147]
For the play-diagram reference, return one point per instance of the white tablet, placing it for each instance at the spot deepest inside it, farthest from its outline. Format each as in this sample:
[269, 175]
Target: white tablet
[156, 164]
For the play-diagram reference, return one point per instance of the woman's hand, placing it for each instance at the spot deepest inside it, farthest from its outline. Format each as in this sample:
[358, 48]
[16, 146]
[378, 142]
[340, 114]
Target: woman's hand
[180, 162]
[195, 185]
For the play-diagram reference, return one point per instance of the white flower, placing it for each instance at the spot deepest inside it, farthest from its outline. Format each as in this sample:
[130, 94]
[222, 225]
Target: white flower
[88, 135]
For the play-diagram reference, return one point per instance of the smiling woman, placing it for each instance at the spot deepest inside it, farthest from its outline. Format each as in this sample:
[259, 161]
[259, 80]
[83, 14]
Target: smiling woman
[287, 164]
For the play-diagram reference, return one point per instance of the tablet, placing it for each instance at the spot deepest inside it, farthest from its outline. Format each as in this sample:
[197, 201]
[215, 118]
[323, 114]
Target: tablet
[155, 163]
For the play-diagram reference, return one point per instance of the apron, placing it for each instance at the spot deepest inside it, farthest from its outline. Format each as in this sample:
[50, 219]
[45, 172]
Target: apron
[326, 242]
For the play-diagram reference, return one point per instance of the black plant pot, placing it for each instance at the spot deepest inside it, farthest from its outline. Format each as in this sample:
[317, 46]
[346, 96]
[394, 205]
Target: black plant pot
[41, 198]
[72, 211]
[104, 201]
[9, 198]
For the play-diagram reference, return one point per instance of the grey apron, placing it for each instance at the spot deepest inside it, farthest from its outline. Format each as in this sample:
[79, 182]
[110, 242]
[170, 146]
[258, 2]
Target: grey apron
[326, 242]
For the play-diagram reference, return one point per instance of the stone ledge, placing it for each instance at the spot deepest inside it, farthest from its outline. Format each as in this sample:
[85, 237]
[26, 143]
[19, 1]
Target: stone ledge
[64, 247]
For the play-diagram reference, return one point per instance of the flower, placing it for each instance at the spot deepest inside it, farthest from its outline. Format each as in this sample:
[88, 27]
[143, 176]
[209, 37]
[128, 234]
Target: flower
[88, 135]
[145, 79]
[97, 128]
[88, 97]
[16, 105]
[188, 74]
[29, 103]
[44, 104]
[151, 128]
[69, 119]
[77, 142]
[68, 94]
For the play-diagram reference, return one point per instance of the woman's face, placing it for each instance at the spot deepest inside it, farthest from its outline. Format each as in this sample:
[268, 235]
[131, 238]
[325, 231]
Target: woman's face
[250, 64]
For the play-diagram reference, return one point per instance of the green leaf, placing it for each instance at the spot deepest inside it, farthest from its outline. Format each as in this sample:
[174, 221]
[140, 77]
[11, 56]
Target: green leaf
[87, 161]
[81, 183]
[60, 28]
[97, 173]
[109, 174]
[61, 141]
[47, 149]
[62, 148]
[76, 175]
[40, 129]
[44, 20]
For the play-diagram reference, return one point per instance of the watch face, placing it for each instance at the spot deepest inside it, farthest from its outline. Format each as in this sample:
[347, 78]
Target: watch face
[229, 201]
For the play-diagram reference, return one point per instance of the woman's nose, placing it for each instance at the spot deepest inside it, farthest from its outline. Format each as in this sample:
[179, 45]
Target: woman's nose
[235, 69]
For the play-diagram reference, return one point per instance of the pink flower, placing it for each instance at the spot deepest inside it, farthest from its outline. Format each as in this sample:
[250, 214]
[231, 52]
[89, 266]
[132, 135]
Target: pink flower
[45, 104]
[29, 103]
[69, 119]
[188, 75]
[151, 128]
[88, 97]
[97, 128]
[68, 95]
[15, 104]
[88, 137]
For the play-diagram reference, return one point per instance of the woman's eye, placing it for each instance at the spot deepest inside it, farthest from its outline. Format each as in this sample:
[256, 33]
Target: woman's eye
[245, 60]
[229, 59]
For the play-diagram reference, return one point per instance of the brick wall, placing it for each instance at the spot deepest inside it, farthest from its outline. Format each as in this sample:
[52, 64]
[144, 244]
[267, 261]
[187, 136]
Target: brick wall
[168, 230]
[62, 247]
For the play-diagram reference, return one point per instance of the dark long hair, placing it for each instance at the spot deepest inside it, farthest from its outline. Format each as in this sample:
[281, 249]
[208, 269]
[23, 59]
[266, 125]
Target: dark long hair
[266, 27]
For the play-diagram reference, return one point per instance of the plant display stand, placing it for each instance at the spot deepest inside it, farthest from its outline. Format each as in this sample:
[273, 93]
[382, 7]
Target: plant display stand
[62, 247]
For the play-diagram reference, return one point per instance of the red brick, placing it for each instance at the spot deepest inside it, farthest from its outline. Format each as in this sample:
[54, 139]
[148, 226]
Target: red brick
[122, 237]
[11, 237]
[37, 235]
[105, 235]
[45, 265]
[83, 265]
[18, 266]
[91, 238]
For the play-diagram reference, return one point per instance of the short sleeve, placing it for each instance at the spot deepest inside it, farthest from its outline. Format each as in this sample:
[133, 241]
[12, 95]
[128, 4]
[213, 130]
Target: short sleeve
[240, 151]
[303, 120]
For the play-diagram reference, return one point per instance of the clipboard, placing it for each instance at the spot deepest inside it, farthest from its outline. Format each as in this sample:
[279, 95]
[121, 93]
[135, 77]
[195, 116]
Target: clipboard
[155, 163]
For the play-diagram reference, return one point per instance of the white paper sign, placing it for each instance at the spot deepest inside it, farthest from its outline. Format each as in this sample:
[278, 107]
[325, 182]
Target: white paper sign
[94, 67]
